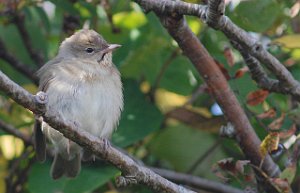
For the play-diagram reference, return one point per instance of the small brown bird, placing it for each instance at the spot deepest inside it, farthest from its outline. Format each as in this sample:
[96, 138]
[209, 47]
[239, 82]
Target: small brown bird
[83, 86]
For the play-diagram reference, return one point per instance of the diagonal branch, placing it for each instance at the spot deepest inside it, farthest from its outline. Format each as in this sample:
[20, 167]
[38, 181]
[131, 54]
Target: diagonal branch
[204, 63]
[34, 54]
[14, 62]
[258, 74]
[213, 15]
[214, 78]
[217, 20]
[15, 132]
[131, 171]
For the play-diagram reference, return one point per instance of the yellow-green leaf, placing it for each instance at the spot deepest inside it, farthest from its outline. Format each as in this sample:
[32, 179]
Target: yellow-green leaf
[129, 20]
[289, 41]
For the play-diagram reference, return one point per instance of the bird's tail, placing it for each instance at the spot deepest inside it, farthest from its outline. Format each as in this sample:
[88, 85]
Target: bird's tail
[69, 168]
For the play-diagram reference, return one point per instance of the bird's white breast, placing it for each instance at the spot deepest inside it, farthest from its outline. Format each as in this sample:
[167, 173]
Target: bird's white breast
[92, 99]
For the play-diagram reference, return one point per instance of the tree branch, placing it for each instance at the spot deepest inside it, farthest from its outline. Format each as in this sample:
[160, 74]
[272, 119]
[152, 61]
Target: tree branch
[258, 74]
[217, 20]
[204, 63]
[196, 182]
[131, 171]
[163, 69]
[213, 15]
[14, 62]
[214, 78]
[15, 132]
[19, 20]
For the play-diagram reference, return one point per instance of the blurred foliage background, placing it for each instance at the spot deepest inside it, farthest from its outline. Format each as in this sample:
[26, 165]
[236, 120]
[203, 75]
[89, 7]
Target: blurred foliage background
[169, 120]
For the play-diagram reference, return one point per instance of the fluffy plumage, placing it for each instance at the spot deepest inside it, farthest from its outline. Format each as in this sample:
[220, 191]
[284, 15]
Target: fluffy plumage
[83, 87]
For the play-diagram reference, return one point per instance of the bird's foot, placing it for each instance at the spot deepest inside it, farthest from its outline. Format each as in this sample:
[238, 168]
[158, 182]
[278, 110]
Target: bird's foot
[126, 180]
[106, 143]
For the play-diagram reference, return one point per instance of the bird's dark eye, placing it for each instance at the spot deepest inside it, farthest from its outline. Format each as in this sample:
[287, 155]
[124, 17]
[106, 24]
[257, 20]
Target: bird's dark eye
[89, 50]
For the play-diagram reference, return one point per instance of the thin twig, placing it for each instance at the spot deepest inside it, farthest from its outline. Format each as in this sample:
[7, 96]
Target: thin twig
[161, 73]
[14, 62]
[200, 90]
[196, 182]
[36, 56]
[258, 74]
[15, 132]
[17, 176]
[204, 156]
[107, 8]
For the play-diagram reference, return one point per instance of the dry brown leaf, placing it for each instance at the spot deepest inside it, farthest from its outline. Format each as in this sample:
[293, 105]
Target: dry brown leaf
[223, 70]
[277, 123]
[271, 113]
[282, 184]
[257, 97]
[229, 56]
[288, 133]
[241, 72]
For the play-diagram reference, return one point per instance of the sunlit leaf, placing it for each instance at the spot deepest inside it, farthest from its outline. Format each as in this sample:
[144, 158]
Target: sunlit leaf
[289, 41]
[269, 144]
[10, 146]
[129, 20]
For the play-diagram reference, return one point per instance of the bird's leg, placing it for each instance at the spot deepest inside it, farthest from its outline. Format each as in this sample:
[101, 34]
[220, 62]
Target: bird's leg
[106, 143]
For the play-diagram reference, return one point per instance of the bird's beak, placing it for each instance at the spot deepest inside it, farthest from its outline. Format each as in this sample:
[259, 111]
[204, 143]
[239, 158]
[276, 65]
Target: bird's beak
[111, 47]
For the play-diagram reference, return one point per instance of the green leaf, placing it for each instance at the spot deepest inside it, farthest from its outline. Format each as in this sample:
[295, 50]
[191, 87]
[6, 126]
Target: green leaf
[33, 25]
[88, 180]
[180, 77]
[139, 117]
[44, 18]
[40, 182]
[181, 146]
[289, 173]
[256, 15]
[66, 6]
